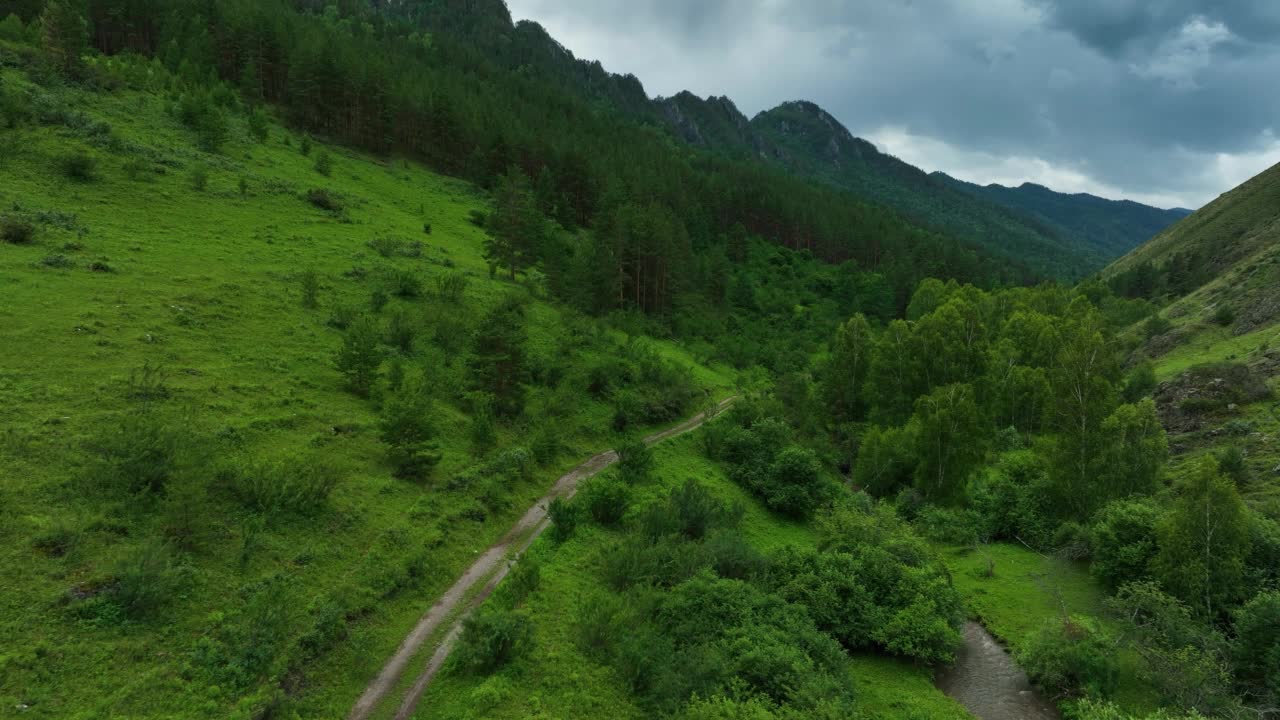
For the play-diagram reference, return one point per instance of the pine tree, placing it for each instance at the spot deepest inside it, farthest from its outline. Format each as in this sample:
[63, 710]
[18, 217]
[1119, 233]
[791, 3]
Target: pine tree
[65, 34]
[516, 227]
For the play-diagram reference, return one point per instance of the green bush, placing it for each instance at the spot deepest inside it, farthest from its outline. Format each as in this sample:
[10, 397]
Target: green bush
[324, 199]
[1257, 649]
[402, 331]
[1224, 315]
[1123, 541]
[291, 484]
[309, 283]
[143, 451]
[404, 284]
[491, 639]
[451, 287]
[145, 580]
[565, 517]
[1140, 381]
[79, 166]
[1232, 463]
[521, 582]
[1070, 658]
[360, 355]
[324, 164]
[259, 125]
[796, 485]
[690, 510]
[406, 427]
[606, 499]
[635, 461]
[16, 230]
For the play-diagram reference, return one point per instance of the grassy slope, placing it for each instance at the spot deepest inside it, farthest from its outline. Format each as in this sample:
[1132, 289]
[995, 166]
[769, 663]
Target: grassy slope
[558, 681]
[205, 283]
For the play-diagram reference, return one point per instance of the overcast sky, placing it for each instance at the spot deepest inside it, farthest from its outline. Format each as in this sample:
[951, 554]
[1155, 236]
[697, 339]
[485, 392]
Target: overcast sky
[1168, 102]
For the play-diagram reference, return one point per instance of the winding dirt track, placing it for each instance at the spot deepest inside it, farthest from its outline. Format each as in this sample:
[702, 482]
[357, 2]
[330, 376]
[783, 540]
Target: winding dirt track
[488, 566]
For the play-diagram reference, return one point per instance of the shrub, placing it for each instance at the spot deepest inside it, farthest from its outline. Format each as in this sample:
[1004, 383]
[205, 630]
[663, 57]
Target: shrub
[325, 200]
[951, 526]
[143, 451]
[58, 262]
[491, 639]
[16, 230]
[199, 178]
[482, 432]
[211, 129]
[137, 169]
[304, 145]
[402, 331]
[635, 461]
[795, 484]
[606, 499]
[258, 125]
[407, 429]
[451, 287]
[292, 484]
[145, 580]
[565, 517]
[426, 228]
[1122, 541]
[79, 166]
[478, 218]
[341, 317]
[1231, 462]
[1069, 658]
[1140, 382]
[405, 284]
[1224, 315]
[1156, 325]
[521, 582]
[324, 164]
[690, 510]
[1257, 649]
[360, 355]
[310, 286]
[378, 299]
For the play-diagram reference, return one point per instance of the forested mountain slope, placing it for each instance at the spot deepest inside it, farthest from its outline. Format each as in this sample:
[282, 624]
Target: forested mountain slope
[1108, 226]
[809, 143]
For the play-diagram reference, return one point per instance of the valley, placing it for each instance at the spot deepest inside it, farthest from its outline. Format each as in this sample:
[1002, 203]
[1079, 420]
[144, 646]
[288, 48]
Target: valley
[386, 360]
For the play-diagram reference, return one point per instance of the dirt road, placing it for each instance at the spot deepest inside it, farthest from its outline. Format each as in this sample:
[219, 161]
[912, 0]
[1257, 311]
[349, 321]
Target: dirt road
[492, 568]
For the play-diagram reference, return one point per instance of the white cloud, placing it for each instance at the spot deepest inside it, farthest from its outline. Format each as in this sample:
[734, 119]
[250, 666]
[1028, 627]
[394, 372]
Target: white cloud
[1218, 170]
[1178, 59]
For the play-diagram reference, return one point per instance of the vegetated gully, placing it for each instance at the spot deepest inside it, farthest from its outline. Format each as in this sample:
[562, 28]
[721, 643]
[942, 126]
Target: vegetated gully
[460, 600]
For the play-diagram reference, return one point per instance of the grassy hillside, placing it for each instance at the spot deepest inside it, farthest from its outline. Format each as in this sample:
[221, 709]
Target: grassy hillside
[1214, 344]
[132, 250]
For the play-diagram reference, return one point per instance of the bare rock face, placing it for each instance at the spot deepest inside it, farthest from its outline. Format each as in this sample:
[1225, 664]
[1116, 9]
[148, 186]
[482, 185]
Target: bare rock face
[1207, 394]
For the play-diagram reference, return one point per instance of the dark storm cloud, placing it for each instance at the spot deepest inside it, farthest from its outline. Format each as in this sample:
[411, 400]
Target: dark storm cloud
[1169, 101]
[1116, 27]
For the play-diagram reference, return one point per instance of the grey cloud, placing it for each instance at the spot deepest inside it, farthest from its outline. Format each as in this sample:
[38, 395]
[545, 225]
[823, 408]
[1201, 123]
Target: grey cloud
[1118, 27]
[1140, 96]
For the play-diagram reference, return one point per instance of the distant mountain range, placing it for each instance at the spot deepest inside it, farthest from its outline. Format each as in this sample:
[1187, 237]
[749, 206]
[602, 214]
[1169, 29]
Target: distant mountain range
[1059, 235]
[1064, 235]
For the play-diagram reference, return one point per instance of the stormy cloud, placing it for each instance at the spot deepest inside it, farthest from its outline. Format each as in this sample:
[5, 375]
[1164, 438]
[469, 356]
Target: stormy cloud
[1168, 102]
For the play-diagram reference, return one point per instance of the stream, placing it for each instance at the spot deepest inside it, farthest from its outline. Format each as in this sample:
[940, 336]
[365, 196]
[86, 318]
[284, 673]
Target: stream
[989, 684]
